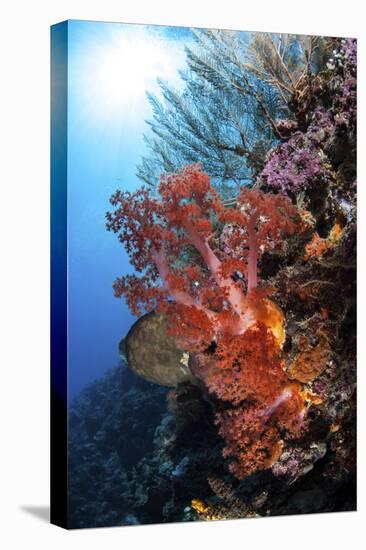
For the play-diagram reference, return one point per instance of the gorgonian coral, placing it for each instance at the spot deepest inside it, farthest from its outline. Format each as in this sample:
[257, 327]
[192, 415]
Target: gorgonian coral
[344, 67]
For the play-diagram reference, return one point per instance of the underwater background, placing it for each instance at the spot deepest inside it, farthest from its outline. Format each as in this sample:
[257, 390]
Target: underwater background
[106, 123]
[142, 452]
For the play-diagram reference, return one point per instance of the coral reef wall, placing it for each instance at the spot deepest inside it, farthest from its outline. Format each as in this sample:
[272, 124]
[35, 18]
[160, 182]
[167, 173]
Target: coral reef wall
[253, 305]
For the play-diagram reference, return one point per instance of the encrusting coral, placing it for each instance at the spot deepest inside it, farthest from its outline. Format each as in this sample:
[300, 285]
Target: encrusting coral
[319, 246]
[311, 360]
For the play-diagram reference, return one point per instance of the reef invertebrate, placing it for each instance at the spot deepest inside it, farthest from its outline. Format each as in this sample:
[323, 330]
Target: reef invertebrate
[229, 506]
[294, 165]
[250, 444]
[210, 295]
[318, 156]
[311, 360]
[173, 239]
[245, 367]
[152, 353]
[296, 462]
[207, 512]
[254, 434]
[318, 246]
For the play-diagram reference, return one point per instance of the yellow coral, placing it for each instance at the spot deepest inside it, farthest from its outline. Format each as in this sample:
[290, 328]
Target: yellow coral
[312, 398]
[206, 512]
[318, 246]
[199, 506]
[335, 233]
[268, 313]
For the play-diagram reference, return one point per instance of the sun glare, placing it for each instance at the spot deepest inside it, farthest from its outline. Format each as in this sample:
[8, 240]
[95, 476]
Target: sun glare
[113, 75]
[122, 72]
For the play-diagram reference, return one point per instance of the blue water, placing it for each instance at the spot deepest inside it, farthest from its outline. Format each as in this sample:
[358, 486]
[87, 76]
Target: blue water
[107, 108]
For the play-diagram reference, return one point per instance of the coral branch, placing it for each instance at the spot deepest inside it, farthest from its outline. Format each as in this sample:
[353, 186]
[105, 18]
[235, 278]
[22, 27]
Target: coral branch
[235, 296]
[252, 258]
[178, 296]
[158, 236]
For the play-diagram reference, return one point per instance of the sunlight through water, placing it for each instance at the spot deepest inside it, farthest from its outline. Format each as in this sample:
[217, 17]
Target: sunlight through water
[114, 72]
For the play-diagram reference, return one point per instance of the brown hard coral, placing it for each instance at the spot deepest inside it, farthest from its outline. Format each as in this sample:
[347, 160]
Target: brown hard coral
[153, 354]
[311, 360]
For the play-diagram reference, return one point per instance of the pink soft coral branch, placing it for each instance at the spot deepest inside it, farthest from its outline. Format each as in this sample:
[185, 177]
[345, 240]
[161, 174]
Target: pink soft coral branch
[235, 295]
[179, 296]
[204, 302]
[156, 232]
[252, 256]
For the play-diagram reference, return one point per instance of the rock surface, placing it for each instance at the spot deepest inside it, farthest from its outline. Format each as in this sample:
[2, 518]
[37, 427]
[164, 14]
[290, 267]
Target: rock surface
[141, 454]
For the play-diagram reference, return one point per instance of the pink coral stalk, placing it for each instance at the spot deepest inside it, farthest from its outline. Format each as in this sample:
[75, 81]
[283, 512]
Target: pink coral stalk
[252, 258]
[235, 295]
[179, 296]
[156, 233]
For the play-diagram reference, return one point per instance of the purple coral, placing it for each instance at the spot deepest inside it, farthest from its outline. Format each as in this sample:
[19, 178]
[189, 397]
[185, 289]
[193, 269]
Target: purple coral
[312, 156]
[293, 166]
[296, 461]
[350, 52]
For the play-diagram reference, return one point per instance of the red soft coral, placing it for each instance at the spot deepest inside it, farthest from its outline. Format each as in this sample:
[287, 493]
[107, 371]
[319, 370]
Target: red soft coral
[249, 442]
[243, 367]
[163, 238]
[257, 224]
[209, 292]
[254, 434]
